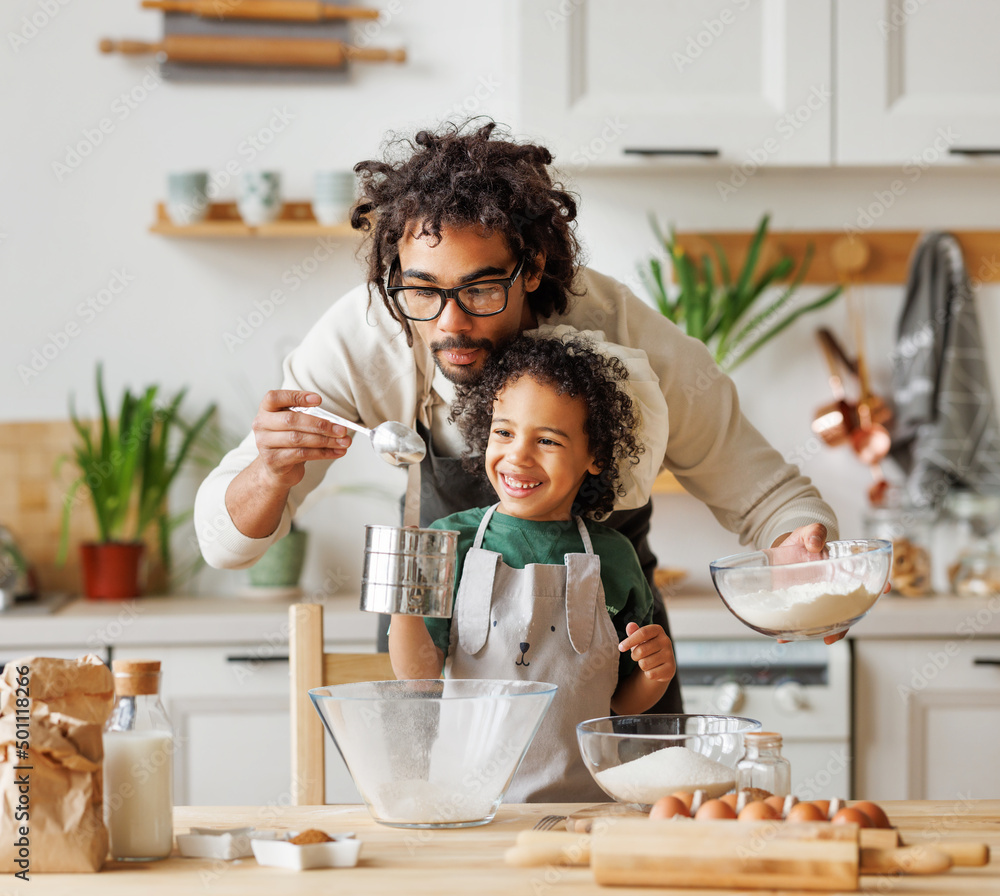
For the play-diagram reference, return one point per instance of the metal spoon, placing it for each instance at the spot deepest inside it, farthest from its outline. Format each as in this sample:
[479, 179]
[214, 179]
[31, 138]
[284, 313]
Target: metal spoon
[393, 442]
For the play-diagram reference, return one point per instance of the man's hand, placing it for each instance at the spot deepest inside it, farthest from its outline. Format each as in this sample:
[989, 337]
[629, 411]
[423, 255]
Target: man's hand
[811, 539]
[651, 649]
[286, 439]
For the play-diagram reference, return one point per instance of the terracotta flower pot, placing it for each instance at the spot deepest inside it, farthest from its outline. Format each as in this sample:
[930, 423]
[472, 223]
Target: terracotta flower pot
[112, 570]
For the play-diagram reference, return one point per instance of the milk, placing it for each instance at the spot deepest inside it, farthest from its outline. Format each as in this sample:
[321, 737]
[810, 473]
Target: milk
[138, 801]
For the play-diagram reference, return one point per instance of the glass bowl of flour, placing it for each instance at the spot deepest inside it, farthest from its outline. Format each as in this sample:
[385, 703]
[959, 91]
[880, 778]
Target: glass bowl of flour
[637, 759]
[433, 753]
[790, 594]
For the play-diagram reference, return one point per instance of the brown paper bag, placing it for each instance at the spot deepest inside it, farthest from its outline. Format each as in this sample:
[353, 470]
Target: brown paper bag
[52, 714]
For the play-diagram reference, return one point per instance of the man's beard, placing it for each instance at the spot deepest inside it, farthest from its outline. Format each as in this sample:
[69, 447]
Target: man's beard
[463, 375]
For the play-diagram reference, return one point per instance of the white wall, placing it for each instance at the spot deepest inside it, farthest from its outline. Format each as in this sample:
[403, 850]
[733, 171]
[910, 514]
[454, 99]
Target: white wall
[64, 233]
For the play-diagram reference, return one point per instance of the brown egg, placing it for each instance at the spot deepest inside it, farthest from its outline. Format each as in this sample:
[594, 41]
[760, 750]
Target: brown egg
[846, 816]
[715, 810]
[758, 810]
[805, 812]
[777, 803]
[730, 799]
[684, 797]
[878, 818]
[823, 806]
[668, 807]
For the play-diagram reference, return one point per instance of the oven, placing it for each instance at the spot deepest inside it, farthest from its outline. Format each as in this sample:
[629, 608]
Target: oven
[801, 689]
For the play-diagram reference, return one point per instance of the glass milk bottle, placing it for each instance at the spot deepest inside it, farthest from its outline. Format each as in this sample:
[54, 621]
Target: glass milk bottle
[138, 765]
[762, 764]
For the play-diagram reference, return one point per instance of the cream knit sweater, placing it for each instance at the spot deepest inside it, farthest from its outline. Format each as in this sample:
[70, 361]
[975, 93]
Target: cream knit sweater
[357, 358]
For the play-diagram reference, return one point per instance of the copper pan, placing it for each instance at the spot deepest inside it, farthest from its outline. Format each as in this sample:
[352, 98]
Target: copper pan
[870, 440]
[835, 423]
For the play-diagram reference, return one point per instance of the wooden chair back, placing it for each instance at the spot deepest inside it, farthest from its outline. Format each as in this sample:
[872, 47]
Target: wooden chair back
[312, 668]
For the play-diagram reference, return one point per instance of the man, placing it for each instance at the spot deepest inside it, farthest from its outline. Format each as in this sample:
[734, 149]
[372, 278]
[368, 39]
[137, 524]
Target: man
[458, 209]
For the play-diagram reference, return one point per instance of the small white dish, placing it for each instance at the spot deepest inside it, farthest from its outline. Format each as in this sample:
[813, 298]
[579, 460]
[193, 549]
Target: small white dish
[341, 852]
[227, 844]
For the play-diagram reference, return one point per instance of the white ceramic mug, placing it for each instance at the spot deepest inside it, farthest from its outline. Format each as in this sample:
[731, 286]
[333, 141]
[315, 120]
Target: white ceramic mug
[187, 197]
[259, 198]
[333, 196]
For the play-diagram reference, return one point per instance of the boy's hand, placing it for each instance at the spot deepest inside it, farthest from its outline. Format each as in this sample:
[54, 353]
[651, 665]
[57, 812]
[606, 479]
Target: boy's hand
[651, 649]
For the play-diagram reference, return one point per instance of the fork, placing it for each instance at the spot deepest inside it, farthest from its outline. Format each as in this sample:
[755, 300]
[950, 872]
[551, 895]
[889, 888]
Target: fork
[548, 822]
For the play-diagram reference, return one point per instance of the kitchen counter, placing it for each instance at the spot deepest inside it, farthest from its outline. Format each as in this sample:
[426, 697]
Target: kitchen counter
[401, 862]
[694, 614]
[701, 614]
[180, 619]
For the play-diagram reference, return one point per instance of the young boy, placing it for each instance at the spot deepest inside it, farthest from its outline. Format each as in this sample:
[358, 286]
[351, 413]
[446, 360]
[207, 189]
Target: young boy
[541, 594]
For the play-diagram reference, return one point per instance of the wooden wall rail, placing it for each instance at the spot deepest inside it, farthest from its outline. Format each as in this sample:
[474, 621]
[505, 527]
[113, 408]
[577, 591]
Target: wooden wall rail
[888, 252]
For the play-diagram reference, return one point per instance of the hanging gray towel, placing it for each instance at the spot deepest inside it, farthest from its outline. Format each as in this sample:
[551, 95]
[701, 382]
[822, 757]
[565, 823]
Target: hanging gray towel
[945, 428]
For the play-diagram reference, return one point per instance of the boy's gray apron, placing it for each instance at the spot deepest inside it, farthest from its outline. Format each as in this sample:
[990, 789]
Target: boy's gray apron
[546, 622]
[446, 487]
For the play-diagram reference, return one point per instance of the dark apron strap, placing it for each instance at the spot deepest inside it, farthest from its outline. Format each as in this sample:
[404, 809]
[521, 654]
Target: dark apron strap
[446, 487]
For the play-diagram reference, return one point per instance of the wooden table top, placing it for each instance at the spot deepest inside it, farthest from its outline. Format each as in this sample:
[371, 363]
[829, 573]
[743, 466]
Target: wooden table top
[469, 861]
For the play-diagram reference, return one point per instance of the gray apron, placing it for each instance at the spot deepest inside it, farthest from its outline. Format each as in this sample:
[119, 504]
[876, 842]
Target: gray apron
[545, 622]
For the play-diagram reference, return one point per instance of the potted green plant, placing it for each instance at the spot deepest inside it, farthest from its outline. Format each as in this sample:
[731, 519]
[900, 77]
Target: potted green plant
[126, 466]
[730, 315]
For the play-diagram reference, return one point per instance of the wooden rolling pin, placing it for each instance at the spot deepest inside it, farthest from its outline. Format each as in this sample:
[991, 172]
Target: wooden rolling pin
[277, 10]
[969, 855]
[724, 854]
[212, 50]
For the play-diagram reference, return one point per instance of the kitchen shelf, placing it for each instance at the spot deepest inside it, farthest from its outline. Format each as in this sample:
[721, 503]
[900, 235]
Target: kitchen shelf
[887, 259]
[223, 220]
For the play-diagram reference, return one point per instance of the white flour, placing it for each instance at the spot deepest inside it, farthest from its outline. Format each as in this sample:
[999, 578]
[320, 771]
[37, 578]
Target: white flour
[646, 779]
[427, 802]
[806, 606]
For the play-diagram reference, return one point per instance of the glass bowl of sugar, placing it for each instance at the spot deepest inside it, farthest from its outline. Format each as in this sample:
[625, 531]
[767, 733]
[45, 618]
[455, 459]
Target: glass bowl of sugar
[793, 595]
[637, 759]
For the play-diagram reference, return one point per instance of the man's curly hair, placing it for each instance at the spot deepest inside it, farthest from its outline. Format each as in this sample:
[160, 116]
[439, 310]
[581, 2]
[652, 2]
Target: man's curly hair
[464, 175]
[573, 367]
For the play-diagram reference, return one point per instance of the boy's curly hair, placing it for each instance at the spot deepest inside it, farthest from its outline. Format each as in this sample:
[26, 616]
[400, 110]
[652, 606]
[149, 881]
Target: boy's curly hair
[463, 175]
[574, 368]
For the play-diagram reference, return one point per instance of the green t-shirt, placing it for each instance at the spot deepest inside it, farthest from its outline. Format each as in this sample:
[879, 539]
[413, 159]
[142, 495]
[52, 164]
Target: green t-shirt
[627, 595]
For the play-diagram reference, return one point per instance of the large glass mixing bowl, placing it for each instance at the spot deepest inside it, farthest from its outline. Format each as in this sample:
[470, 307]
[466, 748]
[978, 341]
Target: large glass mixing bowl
[433, 753]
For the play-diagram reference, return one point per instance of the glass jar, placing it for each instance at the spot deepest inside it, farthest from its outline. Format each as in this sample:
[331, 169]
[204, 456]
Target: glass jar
[762, 764]
[138, 765]
[909, 529]
[966, 543]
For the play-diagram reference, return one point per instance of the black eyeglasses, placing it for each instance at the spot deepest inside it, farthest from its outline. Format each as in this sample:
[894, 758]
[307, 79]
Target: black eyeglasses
[481, 299]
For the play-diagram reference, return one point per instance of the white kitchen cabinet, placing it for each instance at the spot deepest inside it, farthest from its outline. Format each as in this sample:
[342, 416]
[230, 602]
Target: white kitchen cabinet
[229, 708]
[927, 717]
[724, 81]
[918, 82]
[742, 83]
